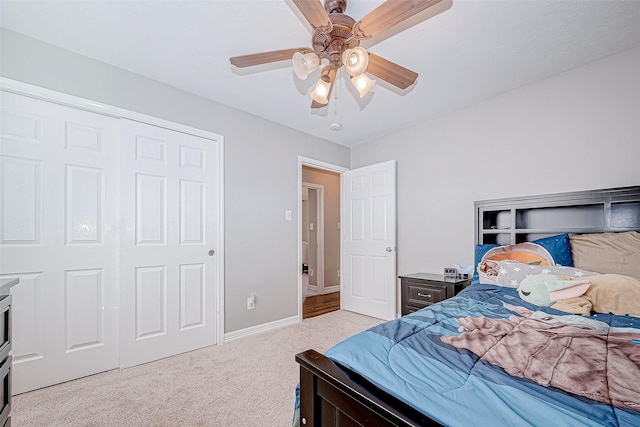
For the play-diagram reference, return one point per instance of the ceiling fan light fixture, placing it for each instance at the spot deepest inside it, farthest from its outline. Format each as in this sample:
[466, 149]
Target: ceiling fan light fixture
[305, 64]
[362, 83]
[355, 60]
[321, 92]
[336, 37]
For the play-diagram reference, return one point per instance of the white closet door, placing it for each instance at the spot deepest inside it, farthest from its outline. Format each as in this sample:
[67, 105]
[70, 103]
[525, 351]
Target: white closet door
[58, 210]
[169, 248]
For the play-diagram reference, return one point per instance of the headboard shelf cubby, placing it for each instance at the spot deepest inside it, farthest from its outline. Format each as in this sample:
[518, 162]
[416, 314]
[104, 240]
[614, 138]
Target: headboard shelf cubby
[514, 220]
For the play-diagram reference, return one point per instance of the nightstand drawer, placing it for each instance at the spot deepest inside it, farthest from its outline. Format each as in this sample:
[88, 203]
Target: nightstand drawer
[420, 290]
[425, 295]
[411, 309]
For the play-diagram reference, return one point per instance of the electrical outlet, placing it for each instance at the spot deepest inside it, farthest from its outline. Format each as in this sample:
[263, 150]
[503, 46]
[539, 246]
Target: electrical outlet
[251, 302]
[338, 273]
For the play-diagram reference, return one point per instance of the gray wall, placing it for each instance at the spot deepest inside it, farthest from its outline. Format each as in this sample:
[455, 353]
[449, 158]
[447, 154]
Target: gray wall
[575, 131]
[260, 161]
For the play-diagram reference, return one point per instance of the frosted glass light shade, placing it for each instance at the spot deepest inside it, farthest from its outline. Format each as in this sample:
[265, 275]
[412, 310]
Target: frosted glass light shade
[304, 64]
[362, 83]
[355, 60]
[321, 92]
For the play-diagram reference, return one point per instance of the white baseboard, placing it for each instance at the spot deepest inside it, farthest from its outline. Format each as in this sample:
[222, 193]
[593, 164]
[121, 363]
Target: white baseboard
[313, 290]
[253, 330]
[331, 289]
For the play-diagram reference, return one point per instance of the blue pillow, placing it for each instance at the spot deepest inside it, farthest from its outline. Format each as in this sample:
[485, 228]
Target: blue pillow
[559, 247]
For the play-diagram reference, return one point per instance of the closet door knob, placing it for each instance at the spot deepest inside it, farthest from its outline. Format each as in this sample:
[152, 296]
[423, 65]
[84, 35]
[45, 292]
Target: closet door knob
[389, 249]
[212, 252]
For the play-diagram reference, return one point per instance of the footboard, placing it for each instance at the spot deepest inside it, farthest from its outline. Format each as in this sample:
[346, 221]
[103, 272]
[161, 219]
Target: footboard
[333, 396]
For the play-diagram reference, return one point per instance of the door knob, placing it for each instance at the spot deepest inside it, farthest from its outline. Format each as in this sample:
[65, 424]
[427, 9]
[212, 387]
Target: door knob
[389, 249]
[211, 252]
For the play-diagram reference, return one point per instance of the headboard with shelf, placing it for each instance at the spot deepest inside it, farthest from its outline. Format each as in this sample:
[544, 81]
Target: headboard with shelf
[521, 219]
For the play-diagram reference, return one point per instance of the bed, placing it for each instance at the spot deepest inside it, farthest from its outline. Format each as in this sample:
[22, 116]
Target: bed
[434, 366]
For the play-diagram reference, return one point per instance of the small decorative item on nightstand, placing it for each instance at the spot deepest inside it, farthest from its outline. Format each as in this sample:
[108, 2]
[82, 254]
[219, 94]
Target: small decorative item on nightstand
[420, 290]
[450, 273]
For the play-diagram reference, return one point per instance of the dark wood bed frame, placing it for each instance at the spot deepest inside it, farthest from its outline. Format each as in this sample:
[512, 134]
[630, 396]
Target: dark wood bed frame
[331, 395]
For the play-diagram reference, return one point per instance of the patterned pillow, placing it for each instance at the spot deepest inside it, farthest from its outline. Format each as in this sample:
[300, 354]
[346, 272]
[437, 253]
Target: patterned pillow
[481, 249]
[558, 246]
[512, 273]
[526, 253]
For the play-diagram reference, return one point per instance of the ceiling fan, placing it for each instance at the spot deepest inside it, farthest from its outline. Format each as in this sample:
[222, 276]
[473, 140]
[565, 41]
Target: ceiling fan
[336, 37]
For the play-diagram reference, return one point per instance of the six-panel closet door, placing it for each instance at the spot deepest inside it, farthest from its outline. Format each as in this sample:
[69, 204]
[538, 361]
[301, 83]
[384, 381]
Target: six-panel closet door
[169, 245]
[58, 212]
[113, 227]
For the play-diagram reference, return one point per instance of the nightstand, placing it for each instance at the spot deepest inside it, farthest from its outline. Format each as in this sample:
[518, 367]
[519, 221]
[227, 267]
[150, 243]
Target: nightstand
[5, 348]
[420, 290]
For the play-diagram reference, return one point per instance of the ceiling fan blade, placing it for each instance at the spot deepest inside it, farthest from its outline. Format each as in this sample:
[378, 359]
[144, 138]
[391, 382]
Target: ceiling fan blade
[332, 78]
[266, 57]
[388, 14]
[390, 72]
[315, 14]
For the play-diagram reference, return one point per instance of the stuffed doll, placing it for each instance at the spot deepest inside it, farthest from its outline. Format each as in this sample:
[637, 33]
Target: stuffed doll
[604, 293]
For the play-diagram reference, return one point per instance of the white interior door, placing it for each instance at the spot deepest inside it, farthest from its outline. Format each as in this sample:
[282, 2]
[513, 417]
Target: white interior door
[369, 240]
[170, 244]
[58, 212]
[316, 238]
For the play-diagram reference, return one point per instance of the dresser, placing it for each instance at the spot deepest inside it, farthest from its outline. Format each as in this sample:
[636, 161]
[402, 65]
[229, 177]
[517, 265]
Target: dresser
[419, 290]
[5, 348]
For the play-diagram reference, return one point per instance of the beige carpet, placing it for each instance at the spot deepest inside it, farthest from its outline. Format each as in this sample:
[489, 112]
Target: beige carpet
[249, 381]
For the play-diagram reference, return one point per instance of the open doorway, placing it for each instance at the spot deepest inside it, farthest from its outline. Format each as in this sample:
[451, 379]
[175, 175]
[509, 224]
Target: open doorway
[320, 241]
[368, 282]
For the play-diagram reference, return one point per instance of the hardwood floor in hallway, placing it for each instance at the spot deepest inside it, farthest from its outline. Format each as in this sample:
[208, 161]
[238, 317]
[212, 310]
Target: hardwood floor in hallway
[320, 304]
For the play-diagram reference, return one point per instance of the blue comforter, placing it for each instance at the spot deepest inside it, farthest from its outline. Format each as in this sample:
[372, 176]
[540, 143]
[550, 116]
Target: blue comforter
[406, 358]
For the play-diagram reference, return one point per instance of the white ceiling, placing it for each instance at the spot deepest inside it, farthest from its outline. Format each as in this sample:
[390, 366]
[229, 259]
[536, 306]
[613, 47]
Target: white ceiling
[469, 53]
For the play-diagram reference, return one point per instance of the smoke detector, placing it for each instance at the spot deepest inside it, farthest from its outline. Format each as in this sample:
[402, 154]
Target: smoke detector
[335, 127]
